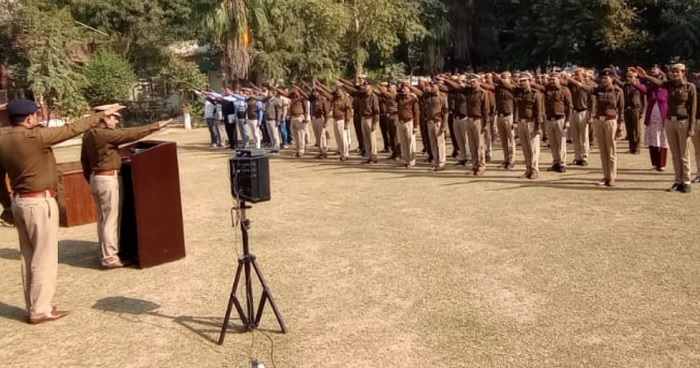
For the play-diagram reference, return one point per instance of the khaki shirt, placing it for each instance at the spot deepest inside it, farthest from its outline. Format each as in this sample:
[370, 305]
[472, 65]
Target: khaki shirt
[27, 157]
[100, 151]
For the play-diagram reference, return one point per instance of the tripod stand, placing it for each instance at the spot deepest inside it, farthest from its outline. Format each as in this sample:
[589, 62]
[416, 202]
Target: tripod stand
[245, 263]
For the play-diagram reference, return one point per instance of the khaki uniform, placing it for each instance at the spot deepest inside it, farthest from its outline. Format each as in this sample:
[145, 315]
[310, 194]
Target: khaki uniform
[558, 106]
[298, 111]
[368, 105]
[635, 100]
[529, 113]
[436, 116]
[580, 120]
[682, 110]
[101, 163]
[504, 121]
[477, 122]
[609, 110]
[341, 108]
[460, 126]
[409, 118]
[27, 158]
[320, 113]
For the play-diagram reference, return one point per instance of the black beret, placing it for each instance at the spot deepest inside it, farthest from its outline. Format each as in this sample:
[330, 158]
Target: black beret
[21, 108]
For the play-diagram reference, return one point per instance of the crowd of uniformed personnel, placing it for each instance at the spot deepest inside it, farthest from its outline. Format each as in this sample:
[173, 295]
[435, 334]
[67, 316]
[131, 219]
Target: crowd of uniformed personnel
[479, 110]
[476, 109]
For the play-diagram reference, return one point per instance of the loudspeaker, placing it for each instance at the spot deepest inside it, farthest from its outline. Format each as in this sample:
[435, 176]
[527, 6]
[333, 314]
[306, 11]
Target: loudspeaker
[250, 176]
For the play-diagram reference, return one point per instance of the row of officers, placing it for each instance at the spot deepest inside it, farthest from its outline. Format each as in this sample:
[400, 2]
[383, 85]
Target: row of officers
[477, 108]
[27, 159]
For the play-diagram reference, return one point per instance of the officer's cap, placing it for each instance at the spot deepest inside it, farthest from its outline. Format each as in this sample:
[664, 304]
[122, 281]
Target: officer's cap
[18, 109]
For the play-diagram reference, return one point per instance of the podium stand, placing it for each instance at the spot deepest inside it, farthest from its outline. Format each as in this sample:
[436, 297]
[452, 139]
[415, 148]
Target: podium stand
[76, 205]
[151, 221]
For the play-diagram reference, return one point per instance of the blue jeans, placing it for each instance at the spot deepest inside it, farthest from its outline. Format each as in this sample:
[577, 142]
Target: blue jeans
[214, 132]
[286, 128]
[284, 132]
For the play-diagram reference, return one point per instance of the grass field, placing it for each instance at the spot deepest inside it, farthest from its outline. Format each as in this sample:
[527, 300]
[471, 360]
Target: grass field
[379, 266]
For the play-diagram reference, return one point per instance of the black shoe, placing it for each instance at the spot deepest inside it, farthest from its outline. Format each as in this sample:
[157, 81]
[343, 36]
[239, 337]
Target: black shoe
[562, 169]
[696, 180]
[488, 158]
[675, 188]
[584, 163]
[454, 154]
[553, 168]
[685, 188]
[462, 163]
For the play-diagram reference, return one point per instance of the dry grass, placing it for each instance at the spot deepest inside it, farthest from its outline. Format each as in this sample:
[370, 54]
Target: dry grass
[385, 267]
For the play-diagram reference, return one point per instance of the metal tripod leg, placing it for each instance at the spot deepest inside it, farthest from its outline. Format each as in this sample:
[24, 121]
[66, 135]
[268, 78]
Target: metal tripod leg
[233, 301]
[266, 294]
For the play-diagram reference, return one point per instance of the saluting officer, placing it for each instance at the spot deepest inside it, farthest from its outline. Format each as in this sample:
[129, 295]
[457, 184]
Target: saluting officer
[529, 113]
[505, 101]
[409, 116]
[635, 103]
[558, 106]
[27, 157]
[609, 110]
[101, 162]
[680, 123]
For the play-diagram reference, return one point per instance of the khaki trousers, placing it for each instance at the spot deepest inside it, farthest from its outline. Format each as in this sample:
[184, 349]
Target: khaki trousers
[678, 139]
[341, 139]
[321, 130]
[505, 131]
[488, 135]
[299, 126]
[369, 138]
[461, 135]
[256, 133]
[407, 142]
[36, 220]
[579, 125]
[530, 143]
[557, 140]
[436, 134]
[696, 143]
[476, 143]
[105, 190]
[273, 130]
[605, 136]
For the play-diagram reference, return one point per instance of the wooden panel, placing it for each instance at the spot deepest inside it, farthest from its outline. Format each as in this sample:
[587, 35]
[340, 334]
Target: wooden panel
[153, 219]
[75, 202]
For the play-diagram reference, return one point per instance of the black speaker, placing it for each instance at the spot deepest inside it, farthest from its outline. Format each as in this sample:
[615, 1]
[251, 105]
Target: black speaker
[250, 176]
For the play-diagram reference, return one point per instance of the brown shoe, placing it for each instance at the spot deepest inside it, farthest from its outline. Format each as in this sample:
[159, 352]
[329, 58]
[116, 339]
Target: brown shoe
[55, 315]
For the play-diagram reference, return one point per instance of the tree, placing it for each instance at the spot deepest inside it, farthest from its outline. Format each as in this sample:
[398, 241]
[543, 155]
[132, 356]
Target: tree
[47, 43]
[109, 78]
[227, 23]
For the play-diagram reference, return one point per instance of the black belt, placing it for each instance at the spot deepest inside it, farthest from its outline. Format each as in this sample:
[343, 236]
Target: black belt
[580, 110]
[678, 117]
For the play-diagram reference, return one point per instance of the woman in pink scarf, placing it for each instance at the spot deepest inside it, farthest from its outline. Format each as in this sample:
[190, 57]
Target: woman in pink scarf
[657, 111]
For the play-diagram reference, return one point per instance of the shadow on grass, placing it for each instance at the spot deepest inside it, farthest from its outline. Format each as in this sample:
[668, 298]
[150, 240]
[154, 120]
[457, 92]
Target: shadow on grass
[208, 328]
[79, 253]
[12, 312]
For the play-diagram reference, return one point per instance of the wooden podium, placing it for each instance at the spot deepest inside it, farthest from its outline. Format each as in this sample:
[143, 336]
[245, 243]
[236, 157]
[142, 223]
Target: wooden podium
[75, 202]
[151, 221]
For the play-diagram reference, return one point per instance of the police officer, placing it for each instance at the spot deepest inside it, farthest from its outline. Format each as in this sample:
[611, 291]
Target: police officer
[341, 109]
[680, 123]
[27, 157]
[558, 106]
[609, 110]
[101, 163]
[505, 90]
[581, 91]
[635, 102]
[529, 113]
[409, 116]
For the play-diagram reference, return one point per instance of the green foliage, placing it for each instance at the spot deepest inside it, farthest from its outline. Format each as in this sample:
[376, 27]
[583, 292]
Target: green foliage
[138, 30]
[48, 42]
[109, 78]
[184, 76]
